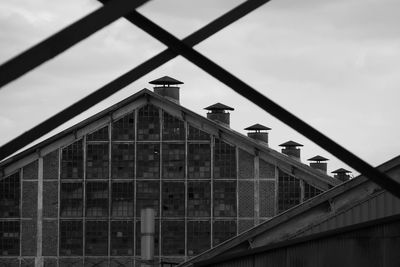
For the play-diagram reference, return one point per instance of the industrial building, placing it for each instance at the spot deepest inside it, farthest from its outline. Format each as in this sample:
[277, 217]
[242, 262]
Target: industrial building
[75, 198]
[353, 224]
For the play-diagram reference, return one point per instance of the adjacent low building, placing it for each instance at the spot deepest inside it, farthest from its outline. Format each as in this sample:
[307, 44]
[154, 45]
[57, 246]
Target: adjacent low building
[354, 224]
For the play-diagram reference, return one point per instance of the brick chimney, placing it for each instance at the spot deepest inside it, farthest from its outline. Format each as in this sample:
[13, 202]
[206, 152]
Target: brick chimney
[319, 163]
[291, 149]
[258, 132]
[218, 112]
[166, 87]
[342, 174]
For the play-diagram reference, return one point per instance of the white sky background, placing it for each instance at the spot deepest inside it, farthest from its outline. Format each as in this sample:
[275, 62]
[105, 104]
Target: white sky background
[335, 64]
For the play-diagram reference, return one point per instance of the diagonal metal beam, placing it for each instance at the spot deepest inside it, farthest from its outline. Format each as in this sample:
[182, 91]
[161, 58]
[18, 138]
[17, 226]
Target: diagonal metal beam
[64, 39]
[265, 103]
[126, 79]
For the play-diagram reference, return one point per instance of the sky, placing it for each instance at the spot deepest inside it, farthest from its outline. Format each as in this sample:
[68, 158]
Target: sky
[335, 64]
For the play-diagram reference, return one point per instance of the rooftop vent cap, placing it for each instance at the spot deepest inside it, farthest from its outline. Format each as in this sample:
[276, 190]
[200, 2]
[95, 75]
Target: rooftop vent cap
[318, 158]
[218, 113]
[257, 128]
[258, 132]
[342, 174]
[319, 163]
[165, 87]
[291, 149]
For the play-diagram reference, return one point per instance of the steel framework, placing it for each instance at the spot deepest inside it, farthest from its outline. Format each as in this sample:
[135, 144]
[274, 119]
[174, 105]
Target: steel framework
[115, 9]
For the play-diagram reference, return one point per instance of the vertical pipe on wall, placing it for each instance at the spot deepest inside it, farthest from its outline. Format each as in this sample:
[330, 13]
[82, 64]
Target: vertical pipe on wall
[147, 227]
[256, 189]
[39, 258]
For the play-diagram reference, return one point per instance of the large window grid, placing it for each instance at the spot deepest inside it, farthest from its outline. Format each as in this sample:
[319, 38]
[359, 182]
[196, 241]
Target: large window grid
[173, 238]
[148, 125]
[10, 196]
[173, 156]
[122, 199]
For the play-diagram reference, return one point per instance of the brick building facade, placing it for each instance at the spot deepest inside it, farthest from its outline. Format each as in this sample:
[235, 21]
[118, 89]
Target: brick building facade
[75, 199]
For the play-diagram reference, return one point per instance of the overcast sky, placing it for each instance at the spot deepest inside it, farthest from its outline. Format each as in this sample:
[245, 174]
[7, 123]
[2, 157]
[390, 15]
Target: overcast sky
[335, 64]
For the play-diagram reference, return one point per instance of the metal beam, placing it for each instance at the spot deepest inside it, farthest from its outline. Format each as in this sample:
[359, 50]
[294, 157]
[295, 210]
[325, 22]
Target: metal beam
[126, 79]
[65, 38]
[265, 103]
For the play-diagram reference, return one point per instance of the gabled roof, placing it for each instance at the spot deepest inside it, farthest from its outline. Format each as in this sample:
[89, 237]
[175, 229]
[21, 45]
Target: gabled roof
[287, 164]
[330, 210]
[257, 127]
[290, 144]
[166, 80]
[318, 158]
[218, 106]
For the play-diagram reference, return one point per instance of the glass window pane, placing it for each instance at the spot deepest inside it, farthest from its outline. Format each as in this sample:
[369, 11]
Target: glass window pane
[99, 135]
[199, 199]
[173, 238]
[123, 161]
[71, 238]
[123, 199]
[196, 134]
[124, 128]
[173, 199]
[198, 235]
[97, 161]
[223, 230]
[173, 128]
[97, 199]
[10, 196]
[225, 199]
[148, 161]
[288, 191]
[96, 238]
[9, 238]
[122, 238]
[148, 123]
[310, 191]
[72, 161]
[199, 161]
[71, 200]
[173, 161]
[224, 160]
